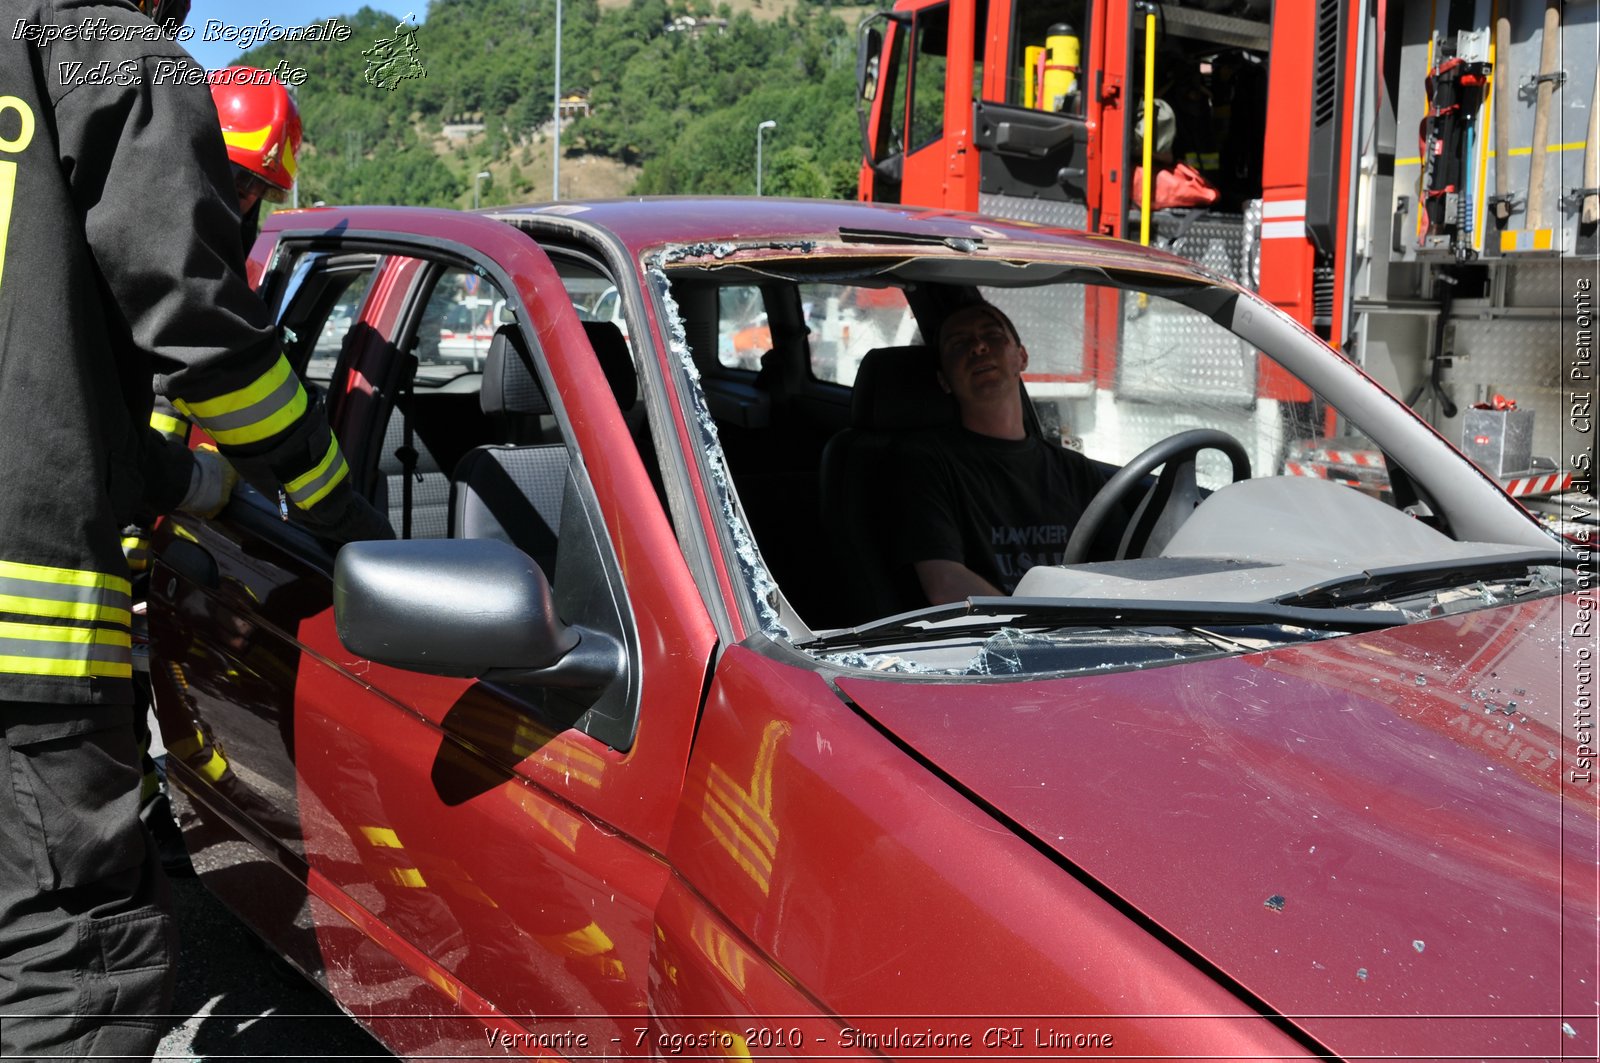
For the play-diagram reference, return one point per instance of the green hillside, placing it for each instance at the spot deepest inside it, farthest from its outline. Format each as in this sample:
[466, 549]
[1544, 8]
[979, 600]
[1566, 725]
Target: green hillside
[673, 107]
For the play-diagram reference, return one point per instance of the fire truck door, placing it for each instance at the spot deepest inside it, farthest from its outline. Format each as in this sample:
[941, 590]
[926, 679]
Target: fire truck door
[931, 106]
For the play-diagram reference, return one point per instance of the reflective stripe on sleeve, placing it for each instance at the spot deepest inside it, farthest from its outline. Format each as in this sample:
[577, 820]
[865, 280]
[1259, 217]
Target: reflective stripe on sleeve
[260, 410]
[41, 593]
[64, 594]
[136, 548]
[307, 490]
[168, 425]
[44, 649]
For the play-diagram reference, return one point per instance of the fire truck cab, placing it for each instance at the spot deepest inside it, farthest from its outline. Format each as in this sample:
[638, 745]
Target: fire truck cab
[1415, 183]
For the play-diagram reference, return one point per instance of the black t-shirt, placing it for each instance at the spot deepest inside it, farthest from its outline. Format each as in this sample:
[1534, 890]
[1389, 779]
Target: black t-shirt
[998, 506]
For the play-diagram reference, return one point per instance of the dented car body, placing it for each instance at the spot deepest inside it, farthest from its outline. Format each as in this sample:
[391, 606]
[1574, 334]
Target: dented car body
[630, 746]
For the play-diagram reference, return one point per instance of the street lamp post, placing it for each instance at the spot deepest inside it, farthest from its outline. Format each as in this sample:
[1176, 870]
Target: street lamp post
[760, 129]
[477, 183]
[555, 157]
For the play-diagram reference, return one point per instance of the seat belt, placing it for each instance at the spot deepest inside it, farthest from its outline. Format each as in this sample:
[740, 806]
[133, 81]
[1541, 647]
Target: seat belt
[407, 452]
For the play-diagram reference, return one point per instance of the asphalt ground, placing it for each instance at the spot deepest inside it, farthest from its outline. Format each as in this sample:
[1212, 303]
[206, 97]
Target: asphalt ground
[236, 1001]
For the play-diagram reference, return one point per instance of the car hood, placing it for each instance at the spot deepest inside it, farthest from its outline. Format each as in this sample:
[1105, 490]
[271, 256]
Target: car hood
[1385, 837]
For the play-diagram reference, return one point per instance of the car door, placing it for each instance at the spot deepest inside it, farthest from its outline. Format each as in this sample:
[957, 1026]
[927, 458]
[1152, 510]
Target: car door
[459, 863]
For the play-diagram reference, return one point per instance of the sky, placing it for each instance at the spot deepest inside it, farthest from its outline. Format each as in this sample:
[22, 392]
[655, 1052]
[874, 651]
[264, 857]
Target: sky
[216, 54]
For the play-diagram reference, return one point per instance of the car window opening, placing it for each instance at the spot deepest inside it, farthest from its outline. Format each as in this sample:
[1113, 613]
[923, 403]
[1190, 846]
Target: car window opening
[1119, 360]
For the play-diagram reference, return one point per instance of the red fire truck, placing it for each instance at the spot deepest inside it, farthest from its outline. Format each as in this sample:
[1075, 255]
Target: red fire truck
[1414, 181]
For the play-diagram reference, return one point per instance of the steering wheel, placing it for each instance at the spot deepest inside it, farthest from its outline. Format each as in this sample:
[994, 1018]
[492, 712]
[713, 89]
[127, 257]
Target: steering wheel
[1168, 502]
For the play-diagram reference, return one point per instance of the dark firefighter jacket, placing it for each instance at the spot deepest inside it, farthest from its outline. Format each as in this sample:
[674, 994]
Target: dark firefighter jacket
[119, 262]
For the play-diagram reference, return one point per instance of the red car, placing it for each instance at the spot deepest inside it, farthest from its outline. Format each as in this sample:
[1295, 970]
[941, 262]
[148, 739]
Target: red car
[635, 743]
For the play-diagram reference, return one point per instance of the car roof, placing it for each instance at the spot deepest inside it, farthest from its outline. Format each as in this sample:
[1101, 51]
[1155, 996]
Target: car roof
[644, 224]
[648, 221]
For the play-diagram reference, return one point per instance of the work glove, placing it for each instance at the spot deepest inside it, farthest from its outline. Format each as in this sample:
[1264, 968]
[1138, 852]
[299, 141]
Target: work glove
[211, 483]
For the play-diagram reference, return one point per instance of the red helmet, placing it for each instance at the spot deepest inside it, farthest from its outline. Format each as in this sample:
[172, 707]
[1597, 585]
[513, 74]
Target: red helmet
[260, 124]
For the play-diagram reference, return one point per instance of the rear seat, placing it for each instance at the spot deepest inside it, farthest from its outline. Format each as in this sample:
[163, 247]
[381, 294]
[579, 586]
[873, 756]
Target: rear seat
[430, 487]
[446, 422]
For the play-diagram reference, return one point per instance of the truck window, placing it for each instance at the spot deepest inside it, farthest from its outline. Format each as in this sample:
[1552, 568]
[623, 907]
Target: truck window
[1048, 41]
[930, 65]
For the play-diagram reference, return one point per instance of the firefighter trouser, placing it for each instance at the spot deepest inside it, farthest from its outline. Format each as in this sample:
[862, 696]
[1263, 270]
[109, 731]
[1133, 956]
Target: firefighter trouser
[87, 942]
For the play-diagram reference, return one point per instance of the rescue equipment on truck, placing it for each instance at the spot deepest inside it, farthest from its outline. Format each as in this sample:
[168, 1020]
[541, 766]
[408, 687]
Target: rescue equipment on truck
[1053, 70]
[1455, 94]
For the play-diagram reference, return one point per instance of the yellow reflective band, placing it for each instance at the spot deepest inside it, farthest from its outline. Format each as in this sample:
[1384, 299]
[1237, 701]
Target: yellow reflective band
[221, 416]
[64, 593]
[322, 470]
[248, 139]
[166, 424]
[290, 166]
[136, 549]
[66, 577]
[76, 636]
[58, 610]
[409, 877]
[66, 669]
[74, 652]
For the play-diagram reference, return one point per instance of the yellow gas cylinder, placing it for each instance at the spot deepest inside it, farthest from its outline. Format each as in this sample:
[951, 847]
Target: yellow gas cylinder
[1060, 81]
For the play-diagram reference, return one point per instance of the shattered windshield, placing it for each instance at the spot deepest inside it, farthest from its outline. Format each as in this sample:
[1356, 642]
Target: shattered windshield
[1008, 434]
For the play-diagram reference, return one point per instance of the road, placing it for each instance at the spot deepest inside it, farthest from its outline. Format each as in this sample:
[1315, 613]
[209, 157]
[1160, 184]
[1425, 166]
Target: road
[244, 1004]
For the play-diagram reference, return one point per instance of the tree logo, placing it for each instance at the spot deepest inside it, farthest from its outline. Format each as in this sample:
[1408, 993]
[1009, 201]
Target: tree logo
[394, 59]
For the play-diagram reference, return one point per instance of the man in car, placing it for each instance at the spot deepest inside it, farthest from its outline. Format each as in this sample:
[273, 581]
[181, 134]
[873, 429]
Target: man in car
[119, 263]
[984, 501]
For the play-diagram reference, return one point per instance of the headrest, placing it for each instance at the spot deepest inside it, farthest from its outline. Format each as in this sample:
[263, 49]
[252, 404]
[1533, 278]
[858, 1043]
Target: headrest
[896, 389]
[612, 350]
[509, 388]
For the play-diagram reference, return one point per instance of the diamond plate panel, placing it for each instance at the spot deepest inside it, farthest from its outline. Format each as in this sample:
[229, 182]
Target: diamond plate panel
[1061, 214]
[1171, 353]
[1050, 324]
[1251, 238]
[1511, 354]
[1122, 430]
[1216, 241]
[1535, 283]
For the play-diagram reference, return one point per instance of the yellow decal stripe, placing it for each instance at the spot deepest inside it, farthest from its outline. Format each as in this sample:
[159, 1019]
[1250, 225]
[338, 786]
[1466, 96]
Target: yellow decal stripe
[248, 139]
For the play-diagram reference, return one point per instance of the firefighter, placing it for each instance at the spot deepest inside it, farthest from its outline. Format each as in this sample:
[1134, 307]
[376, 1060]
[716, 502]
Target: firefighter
[119, 263]
[261, 126]
[262, 130]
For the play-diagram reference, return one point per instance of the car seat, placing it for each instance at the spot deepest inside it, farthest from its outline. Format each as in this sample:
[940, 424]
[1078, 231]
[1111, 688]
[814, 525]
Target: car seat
[512, 490]
[896, 391]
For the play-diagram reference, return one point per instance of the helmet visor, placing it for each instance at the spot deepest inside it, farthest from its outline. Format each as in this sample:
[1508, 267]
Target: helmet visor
[249, 186]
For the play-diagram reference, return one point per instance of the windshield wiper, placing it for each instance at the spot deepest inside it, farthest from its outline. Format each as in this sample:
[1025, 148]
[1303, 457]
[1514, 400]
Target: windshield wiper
[989, 613]
[1378, 584]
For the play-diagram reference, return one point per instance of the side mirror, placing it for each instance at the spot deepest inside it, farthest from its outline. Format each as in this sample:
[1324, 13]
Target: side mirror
[463, 607]
[869, 50]
[871, 60]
